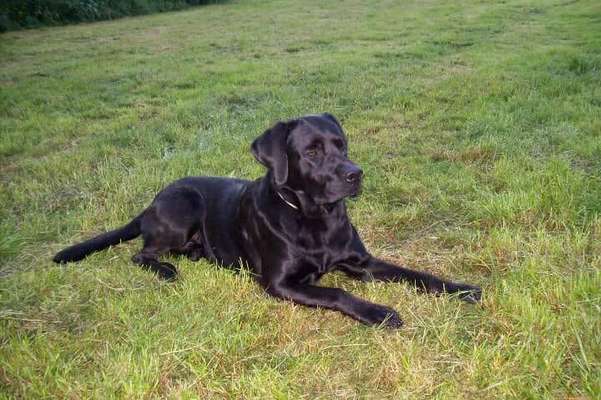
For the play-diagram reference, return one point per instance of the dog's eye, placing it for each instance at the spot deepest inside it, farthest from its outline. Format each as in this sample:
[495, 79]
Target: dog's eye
[311, 152]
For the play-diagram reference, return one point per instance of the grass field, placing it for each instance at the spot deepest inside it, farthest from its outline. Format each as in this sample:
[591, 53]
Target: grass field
[477, 123]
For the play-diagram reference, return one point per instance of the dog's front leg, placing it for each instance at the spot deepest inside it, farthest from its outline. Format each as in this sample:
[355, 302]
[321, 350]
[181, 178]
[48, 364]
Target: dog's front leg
[339, 300]
[372, 268]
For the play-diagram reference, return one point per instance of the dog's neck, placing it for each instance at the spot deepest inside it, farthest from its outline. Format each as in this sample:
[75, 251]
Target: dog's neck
[286, 201]
[301, 202]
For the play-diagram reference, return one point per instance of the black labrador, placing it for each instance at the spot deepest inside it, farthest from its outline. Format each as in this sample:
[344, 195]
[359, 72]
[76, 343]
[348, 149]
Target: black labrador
[290, 226]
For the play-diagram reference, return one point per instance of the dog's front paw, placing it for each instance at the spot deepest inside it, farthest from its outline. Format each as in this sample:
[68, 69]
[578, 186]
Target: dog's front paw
[377, 315]
[468, 293]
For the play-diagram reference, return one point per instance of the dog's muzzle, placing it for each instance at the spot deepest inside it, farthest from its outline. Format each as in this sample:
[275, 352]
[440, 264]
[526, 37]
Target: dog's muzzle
[353, 175]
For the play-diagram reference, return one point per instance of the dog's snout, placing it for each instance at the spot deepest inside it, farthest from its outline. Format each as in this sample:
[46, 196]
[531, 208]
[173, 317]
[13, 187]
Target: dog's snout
[353, 175]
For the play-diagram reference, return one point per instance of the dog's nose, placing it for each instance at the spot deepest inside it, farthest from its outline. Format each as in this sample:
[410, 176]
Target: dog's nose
[354, 175]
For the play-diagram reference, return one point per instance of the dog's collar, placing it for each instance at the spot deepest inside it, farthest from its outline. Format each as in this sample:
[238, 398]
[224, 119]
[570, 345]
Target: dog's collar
[286, 201]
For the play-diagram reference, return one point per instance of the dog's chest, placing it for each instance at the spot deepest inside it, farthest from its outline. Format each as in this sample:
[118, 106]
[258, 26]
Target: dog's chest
[318, 247]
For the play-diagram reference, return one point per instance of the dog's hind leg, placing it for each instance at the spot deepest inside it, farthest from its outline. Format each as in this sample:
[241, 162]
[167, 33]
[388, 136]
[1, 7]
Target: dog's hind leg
[160, 238]
[193, 249]
[171, 225]
[150, 260]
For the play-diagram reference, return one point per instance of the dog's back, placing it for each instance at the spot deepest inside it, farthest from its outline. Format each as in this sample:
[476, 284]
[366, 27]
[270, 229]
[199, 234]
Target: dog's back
[196, 202]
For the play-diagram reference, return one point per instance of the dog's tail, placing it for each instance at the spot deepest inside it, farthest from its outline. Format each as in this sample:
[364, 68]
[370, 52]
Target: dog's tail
[81, 250]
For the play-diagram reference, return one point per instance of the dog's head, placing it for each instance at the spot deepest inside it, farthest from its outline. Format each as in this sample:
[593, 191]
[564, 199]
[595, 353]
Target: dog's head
[308, 155]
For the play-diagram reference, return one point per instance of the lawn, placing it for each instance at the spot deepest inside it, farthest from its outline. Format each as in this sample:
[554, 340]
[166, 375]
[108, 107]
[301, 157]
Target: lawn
[478, 126]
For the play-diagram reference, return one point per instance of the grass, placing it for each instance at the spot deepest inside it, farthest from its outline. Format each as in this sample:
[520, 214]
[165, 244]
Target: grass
[478, 124]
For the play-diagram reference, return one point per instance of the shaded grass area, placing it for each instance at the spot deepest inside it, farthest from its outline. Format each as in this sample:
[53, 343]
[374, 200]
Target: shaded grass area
[18, 14]
[477, 125]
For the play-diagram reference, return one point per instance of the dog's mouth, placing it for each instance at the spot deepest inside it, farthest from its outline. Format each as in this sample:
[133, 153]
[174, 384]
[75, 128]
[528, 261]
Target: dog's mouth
[332, 196]
[350, 193]
[356, 193]
[355, 190]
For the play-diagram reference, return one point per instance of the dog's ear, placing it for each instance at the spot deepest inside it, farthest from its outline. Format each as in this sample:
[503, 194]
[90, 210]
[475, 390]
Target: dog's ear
[270, 150]
[333, 119]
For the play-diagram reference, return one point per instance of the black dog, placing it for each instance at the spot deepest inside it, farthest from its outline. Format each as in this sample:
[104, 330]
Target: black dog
[290, 227]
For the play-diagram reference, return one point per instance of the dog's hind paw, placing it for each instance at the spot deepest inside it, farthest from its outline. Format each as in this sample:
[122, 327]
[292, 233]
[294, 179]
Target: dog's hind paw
[166, 271]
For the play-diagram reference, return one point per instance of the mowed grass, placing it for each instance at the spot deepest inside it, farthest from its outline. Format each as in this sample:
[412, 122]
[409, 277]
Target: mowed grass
[478, 125]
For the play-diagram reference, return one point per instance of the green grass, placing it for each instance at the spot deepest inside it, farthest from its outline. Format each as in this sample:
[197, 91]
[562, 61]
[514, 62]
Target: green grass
[478, 124]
